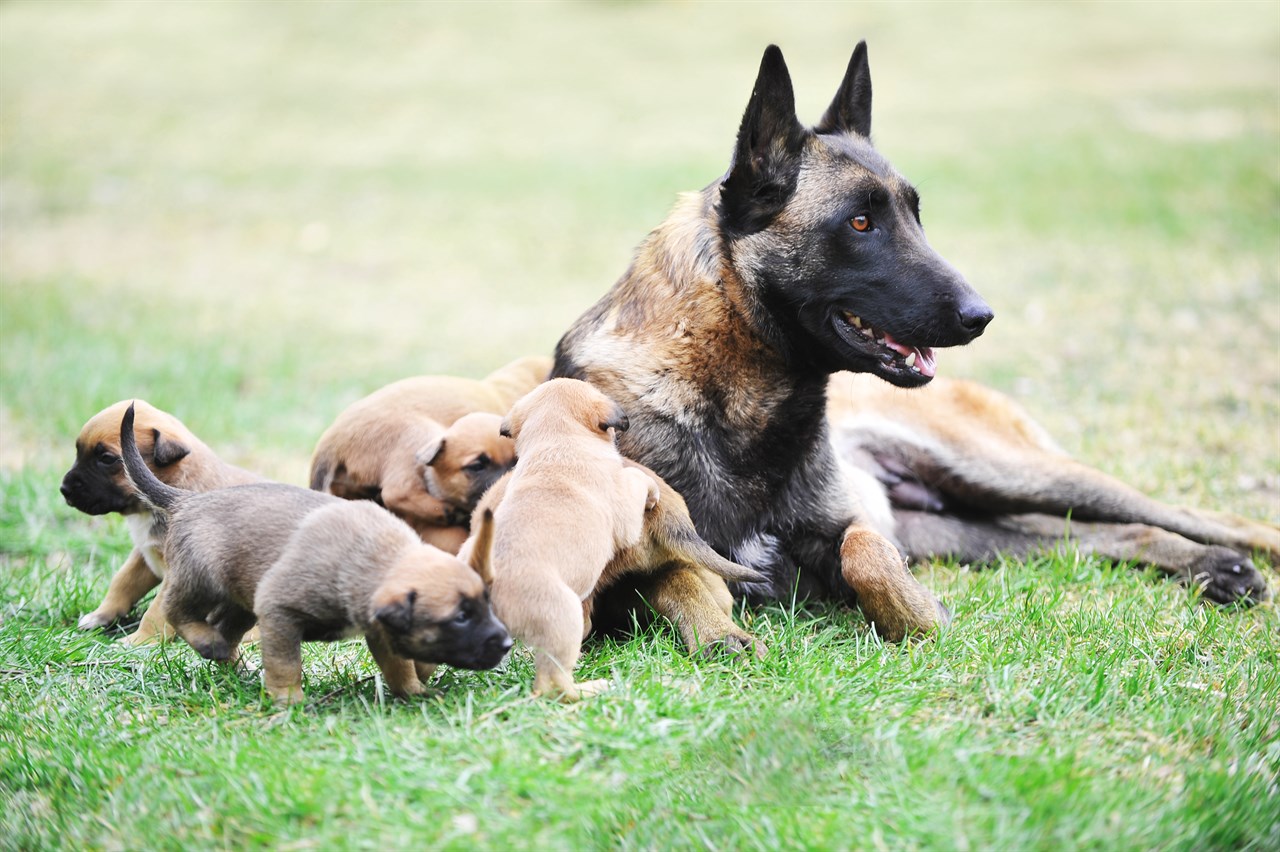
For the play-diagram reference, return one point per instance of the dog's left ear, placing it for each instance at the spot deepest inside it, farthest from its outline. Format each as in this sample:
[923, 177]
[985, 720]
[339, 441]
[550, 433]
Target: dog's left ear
[395, 610]
[615, 419]
[851, 108]
[430, 452]
[504, 428]
[481, 559]
[167, 451]
[766, 161]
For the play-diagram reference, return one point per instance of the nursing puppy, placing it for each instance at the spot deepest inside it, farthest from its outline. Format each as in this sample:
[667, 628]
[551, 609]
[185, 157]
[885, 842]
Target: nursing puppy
[670, 548]
[96, 484]
[312, 567]
[569, 508]
[418, 447]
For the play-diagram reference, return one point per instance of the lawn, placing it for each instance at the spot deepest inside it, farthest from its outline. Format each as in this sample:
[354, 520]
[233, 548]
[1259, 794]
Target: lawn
[253, 214]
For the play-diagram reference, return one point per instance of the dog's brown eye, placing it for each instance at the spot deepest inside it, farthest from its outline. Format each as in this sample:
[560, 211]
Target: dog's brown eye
[480, 463]
[108, 460]
[861, 224]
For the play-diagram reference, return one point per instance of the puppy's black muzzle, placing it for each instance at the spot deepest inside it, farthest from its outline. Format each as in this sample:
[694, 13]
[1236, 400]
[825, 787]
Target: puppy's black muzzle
[92, 497]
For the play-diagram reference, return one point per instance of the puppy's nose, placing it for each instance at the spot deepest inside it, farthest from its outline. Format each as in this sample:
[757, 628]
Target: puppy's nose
[65, 490]
[974, 316]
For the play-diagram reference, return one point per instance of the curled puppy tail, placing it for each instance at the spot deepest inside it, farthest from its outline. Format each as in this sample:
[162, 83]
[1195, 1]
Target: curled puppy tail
[152, 490]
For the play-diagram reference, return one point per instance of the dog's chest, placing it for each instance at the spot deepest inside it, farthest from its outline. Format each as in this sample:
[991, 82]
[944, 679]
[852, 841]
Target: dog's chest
[147, 532]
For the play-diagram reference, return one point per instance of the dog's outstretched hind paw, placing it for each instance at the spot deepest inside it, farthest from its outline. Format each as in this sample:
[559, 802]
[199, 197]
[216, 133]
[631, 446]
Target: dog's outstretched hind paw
[1227, 577]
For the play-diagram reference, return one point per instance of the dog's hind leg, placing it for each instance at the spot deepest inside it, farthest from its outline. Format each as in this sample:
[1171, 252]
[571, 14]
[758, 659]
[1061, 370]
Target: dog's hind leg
[684, 597]
[889, 596]
[1224, 575]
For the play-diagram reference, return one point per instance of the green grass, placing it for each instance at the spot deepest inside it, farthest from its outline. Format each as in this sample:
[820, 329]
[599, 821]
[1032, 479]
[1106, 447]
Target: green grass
[253, 214]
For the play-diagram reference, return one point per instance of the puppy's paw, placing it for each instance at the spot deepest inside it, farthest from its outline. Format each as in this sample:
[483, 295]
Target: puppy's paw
[286, 695]
[98, 619]
[592, 688]
[1227, 577]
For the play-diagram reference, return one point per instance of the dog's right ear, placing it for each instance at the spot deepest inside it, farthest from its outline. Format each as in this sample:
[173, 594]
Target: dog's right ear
[395, 610]
[766, 162]
[615, 419]
[504, 429]
[166, 450]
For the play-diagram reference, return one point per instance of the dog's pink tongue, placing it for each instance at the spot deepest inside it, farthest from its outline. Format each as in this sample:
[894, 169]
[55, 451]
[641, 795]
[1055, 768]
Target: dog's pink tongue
[926, 362]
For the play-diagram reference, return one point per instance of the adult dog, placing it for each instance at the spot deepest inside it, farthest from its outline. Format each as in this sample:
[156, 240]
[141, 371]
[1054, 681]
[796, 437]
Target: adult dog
[807, 258]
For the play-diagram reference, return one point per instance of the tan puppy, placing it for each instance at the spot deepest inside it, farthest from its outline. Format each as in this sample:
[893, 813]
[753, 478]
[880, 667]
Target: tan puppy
[669, 545]
[96, 484]
[569, 507]
[312, 567]
[406, 447]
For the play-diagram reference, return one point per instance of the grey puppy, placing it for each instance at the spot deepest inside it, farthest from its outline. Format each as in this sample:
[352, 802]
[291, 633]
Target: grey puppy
[313, 567]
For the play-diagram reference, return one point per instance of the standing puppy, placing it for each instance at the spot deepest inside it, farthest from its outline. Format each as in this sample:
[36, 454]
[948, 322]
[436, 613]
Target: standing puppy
[97, 485]
[312, 567]
[421, 448]
[569, 507]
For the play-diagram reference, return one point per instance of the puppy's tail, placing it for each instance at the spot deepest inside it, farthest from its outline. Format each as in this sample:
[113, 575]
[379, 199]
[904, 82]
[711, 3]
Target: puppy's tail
[683, 540]
[150, 488]
[481, 556]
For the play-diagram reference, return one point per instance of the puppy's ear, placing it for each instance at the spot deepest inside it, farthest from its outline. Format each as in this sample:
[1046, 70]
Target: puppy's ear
[766, 159]
[506, 428]
[481, 552]
[613, 417]
[167, 450]
[851, 108]
[430, 451]
[395, 609]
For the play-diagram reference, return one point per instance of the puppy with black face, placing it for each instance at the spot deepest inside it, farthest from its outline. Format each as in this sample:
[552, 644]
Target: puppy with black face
[96, 484]
[308, 566]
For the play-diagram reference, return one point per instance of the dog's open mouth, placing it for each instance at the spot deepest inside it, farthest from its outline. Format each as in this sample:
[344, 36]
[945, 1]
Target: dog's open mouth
[891, 354]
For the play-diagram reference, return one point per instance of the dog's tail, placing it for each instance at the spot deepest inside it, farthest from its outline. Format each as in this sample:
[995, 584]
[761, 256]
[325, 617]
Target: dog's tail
[481, 556]
[150, 488]
[683, 540]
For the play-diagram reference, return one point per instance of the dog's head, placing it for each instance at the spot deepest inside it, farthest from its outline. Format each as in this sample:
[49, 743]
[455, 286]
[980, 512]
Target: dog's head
[827, 236]
[462, 462]
[560, 404]
[96, 484]
[435, 608]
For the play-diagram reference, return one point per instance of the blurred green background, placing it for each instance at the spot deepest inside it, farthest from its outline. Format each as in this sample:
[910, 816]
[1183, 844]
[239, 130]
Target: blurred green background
[251, 214]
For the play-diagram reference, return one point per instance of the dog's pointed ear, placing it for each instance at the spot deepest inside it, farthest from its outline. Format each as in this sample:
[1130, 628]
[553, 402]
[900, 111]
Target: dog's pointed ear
[766, 158]
[430, 451]
[504, 428]
[167, 450]
[613, 417]
[395, 610]
[850, 110]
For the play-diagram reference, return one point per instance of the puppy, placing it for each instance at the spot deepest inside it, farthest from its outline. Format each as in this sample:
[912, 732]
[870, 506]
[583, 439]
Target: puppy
[569, 507]
[407, 447]
[96, 485]
[669, 544]
[311, 567]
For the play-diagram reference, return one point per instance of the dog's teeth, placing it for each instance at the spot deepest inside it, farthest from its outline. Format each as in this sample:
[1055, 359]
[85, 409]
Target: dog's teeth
[857, 321]
[911, 360]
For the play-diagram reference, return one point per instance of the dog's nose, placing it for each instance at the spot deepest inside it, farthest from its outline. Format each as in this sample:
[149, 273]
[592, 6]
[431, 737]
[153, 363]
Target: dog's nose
[974, 317]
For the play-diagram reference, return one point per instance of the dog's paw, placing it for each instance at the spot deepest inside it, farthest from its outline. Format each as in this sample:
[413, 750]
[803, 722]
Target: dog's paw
[286, 695]
[1227, 577]
[736, 646]
[97, 620]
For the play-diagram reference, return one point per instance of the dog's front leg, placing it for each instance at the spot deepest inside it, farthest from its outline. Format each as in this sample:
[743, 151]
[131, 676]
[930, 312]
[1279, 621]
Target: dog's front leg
[134, 579]
[890, 597]
[281, 644]
[400, 674]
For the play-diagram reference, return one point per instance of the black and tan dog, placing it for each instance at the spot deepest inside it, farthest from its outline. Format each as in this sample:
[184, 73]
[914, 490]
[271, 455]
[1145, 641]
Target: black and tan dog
[312, 567]
[426, 447]
[807, 258]
[96, 484]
